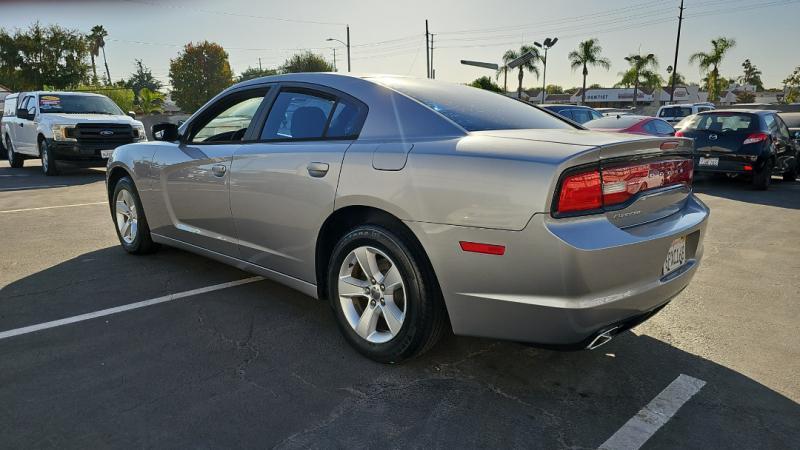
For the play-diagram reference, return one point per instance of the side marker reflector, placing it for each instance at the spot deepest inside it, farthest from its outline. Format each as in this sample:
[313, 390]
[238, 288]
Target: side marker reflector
[477, 247]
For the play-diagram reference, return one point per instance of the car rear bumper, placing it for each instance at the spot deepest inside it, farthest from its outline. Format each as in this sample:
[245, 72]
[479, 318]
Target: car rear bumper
[561, 282]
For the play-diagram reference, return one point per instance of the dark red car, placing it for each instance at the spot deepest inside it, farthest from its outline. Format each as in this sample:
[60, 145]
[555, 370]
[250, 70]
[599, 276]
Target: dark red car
[632, 124]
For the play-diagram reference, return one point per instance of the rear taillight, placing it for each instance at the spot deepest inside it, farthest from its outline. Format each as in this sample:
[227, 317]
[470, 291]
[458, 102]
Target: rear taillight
[755, 138]
[679, 133]
[593, 190]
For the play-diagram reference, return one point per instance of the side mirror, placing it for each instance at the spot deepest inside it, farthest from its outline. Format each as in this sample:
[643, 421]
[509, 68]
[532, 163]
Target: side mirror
[797, 134]
[132, 114]
[165, 132]
[22, 113]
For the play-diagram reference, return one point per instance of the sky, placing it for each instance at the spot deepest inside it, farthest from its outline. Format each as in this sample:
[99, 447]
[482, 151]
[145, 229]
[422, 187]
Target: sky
[389, 36]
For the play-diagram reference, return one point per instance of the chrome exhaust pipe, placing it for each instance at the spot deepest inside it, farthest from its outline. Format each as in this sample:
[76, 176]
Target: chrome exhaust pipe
[601, 339]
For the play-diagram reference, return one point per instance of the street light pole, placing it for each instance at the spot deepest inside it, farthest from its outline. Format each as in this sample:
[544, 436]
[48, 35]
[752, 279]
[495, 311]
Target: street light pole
[346, 44]
[548, 44]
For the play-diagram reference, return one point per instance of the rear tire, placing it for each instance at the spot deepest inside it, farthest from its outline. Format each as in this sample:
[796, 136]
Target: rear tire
[791, 174]
[762, 178]
[412, 317]
[16, 161]
[129, 219]
[49, 165]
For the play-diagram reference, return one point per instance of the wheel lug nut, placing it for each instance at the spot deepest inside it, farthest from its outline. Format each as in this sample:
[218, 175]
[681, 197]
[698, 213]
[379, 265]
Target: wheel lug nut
[372, 303]
[383, 287]
[372, 281]
[382, 302]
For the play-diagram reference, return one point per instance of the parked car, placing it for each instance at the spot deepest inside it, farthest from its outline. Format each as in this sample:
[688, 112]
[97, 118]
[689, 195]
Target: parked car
[75, 127]
[632, 124]
[675, 113]
[404, 202]
[578, 114]
[614, 111]
[750, 142]
[792, 121]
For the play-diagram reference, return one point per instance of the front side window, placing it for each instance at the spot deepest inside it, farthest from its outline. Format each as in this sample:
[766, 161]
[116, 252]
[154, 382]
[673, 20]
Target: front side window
[228, 120]
[77, 104]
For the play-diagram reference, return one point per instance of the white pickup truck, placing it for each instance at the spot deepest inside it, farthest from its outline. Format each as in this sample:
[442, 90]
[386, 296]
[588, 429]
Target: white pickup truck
[75, 127]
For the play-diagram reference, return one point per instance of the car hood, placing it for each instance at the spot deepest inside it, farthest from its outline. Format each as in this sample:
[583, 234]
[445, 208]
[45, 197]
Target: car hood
[71, 119]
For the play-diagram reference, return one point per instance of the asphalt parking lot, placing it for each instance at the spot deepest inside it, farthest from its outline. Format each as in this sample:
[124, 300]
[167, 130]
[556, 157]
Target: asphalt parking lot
[259, 365]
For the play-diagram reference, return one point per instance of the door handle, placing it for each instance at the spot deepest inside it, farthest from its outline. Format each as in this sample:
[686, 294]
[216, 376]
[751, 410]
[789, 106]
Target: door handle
[318, 169]
[218, 170]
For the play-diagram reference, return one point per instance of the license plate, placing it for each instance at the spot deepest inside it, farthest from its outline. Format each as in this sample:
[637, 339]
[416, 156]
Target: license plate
[709, 162]
[676, 256]
[106, 153]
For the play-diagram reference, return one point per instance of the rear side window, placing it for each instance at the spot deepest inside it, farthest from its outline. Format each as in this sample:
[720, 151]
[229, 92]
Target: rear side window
[305, 114]
[725, 122]
[662, 127]
[581, 115]
[10, 107]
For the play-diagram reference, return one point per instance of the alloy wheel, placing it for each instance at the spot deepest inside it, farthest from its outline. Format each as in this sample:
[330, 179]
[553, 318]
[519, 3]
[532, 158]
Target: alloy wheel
[127, 217]
[372, 294]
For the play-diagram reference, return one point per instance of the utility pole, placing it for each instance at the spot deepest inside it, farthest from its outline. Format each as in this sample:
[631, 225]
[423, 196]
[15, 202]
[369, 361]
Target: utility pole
[334, 59]
[427, 50]
[259, 64]
[677, 46]
[348, 48]
[433, 71]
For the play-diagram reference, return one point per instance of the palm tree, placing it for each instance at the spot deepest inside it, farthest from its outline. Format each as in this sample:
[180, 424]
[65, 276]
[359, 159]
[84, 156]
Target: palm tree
[96, 43]
[712, 60]
[587, 54]
[529, 65]
[643, 68]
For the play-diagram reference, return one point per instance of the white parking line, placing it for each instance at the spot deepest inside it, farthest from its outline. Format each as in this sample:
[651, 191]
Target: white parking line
[649, 419]
[123, 308]
[39, 186]
[51, 207]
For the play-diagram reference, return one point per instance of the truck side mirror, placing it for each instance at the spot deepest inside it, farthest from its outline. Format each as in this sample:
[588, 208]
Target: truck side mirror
[132, 114]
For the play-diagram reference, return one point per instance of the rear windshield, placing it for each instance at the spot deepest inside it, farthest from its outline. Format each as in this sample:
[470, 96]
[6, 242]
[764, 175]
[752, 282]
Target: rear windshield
[77, 104]
[675, 111]
[725, 122]
[472, 108]
[792, 120]
[613, 122]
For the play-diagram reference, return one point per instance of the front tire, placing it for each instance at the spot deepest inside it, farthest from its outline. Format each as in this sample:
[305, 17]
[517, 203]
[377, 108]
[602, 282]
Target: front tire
[14, 160]
[386, 300]
[49, 165]
[129, 219]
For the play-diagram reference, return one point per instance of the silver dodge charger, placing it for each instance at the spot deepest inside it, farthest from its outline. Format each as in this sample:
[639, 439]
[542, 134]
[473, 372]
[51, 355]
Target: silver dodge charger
[411, 205]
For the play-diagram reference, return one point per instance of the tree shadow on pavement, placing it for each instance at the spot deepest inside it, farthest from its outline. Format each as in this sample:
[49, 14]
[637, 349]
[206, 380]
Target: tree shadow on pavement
[781, 194]
[261, 365]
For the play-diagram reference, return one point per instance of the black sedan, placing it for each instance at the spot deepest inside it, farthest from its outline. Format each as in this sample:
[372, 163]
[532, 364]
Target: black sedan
[753, 143]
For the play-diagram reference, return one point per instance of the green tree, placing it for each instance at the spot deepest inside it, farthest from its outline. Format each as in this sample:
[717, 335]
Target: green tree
[554, 89]
[751, 75]
[529, 66]
[485, 82]
[679, 79]
[254, 72]
[122, 96]
[642, 72]
[39, 56]
[587, 55]
[150, 102]
[97, 42]
[142, 78]
[306, 62]
[792, 86]
[745, 97]
[200, 72]
[709, 63]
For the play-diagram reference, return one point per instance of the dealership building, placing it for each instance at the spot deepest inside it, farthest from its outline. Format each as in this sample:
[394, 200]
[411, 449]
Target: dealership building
[623, 97]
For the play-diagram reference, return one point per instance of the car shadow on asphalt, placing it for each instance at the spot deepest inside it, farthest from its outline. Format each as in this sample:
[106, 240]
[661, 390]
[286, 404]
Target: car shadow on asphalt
[31, 177]
[781, 194]
[262, 365]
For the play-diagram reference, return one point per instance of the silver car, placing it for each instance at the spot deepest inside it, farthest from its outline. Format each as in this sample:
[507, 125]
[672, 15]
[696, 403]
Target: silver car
[411, 205]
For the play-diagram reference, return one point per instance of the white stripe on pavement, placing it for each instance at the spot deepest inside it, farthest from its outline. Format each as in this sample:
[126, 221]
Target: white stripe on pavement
[123, 308]
[649, 419]
[52, 207]
[40, 186]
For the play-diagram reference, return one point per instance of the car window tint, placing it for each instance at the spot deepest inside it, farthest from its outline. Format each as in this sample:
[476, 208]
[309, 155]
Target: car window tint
[662, 127]
[596, 115]
[230, 118]
[566, 113]
[581, 115]
[474, 109]
[9, 107]
[782, 127]
[704, 108]
[770, 121]
[297, 115]
[346, 120]
[724, 122]
[650, 127]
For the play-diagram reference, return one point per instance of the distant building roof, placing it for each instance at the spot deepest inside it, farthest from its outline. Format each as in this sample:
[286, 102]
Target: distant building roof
[4, 89]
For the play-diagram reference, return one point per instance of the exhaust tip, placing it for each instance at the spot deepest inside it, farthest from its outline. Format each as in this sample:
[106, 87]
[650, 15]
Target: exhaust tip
[601, 339]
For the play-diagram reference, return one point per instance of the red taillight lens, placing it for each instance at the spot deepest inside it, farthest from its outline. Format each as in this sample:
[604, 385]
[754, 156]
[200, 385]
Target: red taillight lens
[580, 192]
[588, 191]
[679, 133]
[755, 137]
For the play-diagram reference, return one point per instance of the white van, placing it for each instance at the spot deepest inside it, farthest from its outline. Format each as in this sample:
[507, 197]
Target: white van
[675, 113]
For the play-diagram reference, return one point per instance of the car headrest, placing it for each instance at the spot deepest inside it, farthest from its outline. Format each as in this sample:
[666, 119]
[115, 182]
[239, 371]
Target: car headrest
[307, 122]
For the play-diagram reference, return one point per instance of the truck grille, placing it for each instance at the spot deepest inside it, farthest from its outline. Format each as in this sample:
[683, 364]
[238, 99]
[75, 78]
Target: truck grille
[103, 133]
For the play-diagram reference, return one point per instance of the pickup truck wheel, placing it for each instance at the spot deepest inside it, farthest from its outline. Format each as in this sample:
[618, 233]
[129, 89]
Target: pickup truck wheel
[128, 215]
[386, 302]
[762, 178]
[49, 166]
[15, 160]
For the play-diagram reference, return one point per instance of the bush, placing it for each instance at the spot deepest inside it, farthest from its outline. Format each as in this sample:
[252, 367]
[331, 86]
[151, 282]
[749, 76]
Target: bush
[123, 97]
